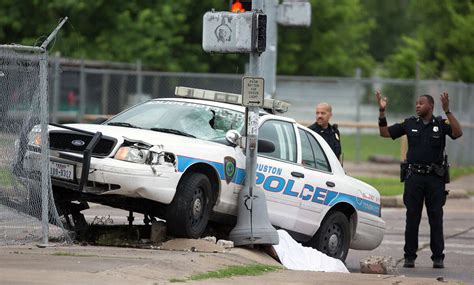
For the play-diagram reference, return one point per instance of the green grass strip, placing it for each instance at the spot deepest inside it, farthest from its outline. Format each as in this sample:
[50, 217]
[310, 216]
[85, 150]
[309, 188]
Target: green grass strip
[62, 253]
[232, 271]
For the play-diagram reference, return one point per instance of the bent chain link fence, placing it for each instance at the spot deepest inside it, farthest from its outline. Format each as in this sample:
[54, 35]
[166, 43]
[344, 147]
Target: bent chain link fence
[83, 90]
[27, 209]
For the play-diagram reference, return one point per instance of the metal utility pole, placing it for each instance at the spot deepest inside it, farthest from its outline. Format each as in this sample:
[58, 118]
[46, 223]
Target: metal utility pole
[246, 33]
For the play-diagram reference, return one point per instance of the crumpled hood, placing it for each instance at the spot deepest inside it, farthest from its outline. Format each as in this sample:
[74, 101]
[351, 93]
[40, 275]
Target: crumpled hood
[170, 142]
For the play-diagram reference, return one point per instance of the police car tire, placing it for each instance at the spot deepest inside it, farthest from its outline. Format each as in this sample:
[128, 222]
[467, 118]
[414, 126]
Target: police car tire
[334, 224]
[188, 214]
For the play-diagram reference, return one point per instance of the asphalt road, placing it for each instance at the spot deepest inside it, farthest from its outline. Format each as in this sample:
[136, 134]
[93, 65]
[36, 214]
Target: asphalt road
[459, 243]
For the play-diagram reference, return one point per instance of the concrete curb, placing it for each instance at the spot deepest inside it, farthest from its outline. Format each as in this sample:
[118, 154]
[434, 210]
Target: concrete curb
[397, 201]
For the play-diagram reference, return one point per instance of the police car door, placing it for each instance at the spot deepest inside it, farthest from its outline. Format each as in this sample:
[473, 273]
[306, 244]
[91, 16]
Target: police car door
[319, 182]
[279, 174]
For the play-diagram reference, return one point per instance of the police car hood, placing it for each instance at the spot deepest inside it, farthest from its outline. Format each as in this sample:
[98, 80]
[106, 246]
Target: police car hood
[169, 142]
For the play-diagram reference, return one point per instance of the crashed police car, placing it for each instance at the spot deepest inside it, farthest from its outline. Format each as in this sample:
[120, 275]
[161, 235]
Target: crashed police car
[182, 160]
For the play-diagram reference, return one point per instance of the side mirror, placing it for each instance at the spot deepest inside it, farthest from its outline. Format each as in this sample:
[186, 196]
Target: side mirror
[233, 137]
[265, 146]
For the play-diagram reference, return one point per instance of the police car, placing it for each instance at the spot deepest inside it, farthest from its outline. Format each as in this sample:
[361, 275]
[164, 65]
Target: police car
[182, 160]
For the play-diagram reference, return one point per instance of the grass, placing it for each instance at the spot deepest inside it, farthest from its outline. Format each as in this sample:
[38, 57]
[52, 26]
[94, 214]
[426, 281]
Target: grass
[231, 271]
[387, 186]
[391, 186]
[62, 253]
[6, 178]
[370, 144]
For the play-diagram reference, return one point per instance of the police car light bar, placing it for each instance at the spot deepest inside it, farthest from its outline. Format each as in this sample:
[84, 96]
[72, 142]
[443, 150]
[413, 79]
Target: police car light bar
[231, 98]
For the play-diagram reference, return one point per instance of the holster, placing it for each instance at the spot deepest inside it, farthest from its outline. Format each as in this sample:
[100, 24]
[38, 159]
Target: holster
[403, 170]
[447, 177]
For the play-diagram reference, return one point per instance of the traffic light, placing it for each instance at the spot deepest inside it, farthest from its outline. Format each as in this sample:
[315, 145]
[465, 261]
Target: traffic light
[239, 6]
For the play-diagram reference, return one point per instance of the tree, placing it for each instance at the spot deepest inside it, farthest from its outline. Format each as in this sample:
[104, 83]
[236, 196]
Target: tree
[335, 45]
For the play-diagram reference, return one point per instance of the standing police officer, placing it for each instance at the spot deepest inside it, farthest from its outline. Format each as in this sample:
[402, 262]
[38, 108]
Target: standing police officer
[329, 132]
[425, 170]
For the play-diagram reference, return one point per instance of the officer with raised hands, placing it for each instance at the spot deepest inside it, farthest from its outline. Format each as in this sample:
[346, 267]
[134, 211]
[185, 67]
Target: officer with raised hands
[425, 171]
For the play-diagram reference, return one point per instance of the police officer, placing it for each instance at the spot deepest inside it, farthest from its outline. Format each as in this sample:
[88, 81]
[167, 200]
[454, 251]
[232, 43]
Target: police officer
[329, 132]
[425, 170]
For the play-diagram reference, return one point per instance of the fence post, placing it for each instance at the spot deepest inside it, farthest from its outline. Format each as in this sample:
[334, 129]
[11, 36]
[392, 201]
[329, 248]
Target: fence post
[139, 78]
[56, 89]
[105, 93]
[82, 92]
[358, 133]
[43, 89]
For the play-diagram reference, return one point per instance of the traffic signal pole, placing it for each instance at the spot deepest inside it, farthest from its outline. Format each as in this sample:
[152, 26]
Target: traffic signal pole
[269, 57]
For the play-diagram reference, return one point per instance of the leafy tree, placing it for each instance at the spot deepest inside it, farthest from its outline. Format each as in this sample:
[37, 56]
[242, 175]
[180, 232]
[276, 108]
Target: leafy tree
[438, 41]
[391, 22]
[335, 45]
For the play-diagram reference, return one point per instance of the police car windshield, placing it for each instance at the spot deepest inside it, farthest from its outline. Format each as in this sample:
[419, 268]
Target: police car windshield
[198, 120]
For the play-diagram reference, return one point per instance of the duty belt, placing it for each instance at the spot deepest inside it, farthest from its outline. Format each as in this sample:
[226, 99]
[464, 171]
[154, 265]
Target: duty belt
[420, 168]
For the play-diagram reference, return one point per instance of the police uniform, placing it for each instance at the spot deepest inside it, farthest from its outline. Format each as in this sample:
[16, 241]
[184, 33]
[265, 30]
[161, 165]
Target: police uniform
[424, 181]
[330, 135]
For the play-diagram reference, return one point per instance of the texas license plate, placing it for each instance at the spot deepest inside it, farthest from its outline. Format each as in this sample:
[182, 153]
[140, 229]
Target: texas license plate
[61, 170]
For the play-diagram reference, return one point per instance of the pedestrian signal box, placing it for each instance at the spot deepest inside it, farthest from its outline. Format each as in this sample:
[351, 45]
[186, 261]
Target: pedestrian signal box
[227, 32]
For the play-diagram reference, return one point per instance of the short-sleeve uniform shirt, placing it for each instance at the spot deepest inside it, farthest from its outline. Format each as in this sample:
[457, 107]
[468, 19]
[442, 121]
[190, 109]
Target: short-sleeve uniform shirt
[425, 142]
[331, 136]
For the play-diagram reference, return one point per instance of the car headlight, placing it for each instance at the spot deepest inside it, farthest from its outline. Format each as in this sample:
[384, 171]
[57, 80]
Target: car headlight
[132, 154]
[34, 138]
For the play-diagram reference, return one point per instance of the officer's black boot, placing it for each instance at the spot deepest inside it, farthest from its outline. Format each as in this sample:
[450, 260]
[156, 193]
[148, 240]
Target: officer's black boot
[409, 263]
[438, 263]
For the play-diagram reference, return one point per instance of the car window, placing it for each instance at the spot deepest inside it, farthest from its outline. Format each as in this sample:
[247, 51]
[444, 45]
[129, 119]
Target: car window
[200, 120]
[322, 162]
[307, 156]
[282, 134]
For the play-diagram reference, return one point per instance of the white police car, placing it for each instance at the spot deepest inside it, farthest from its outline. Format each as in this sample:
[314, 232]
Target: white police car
[179, 159]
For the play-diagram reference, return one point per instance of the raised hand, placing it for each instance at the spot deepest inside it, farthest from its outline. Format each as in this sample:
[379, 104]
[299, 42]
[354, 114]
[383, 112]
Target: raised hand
[444, 97]
[382, 101]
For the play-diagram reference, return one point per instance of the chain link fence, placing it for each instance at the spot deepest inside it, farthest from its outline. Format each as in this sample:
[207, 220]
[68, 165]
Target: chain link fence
[83, 90]
[27, 209]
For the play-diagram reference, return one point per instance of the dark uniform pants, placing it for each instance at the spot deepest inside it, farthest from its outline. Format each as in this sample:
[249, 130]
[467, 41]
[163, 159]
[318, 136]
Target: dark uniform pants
[431, 189]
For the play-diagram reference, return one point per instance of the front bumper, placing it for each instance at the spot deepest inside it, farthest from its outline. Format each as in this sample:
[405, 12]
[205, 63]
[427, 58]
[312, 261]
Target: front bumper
[369, 233]
[102, 176]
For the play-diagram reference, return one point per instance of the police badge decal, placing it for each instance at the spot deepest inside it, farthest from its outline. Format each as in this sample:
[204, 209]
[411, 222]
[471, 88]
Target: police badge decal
[229, 168]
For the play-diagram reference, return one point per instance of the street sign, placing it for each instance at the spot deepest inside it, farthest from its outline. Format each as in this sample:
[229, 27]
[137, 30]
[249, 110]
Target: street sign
[252, 91]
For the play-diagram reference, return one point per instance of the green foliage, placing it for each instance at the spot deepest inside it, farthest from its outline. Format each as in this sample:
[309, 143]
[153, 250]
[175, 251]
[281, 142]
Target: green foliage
[335, 45]
[440, 40]
[391, 23]
[344, 35]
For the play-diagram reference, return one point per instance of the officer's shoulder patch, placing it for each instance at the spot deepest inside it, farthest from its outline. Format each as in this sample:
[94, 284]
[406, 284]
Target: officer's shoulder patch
[446, 121]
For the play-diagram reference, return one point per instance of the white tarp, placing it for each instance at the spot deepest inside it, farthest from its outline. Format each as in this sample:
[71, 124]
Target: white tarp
[297, 257]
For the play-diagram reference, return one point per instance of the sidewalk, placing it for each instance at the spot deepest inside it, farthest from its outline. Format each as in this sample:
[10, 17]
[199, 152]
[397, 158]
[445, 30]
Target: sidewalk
[112, 265]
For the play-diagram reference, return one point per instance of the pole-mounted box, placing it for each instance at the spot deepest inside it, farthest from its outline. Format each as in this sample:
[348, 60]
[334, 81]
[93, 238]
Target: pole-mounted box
[227, 32]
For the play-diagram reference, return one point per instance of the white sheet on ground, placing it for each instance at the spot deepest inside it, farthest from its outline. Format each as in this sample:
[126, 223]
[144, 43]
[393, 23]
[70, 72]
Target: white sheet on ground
[297, 257]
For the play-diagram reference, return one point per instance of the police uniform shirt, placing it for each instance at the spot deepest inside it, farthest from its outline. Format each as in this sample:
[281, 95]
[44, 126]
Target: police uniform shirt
[425, 142]
[330, 135]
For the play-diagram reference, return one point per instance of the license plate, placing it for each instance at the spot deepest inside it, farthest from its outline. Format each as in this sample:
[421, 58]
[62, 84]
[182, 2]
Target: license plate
[61, 170]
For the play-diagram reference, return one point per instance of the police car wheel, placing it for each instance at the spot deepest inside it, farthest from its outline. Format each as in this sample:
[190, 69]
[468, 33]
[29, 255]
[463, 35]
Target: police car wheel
[333, 237]
[188, 213]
